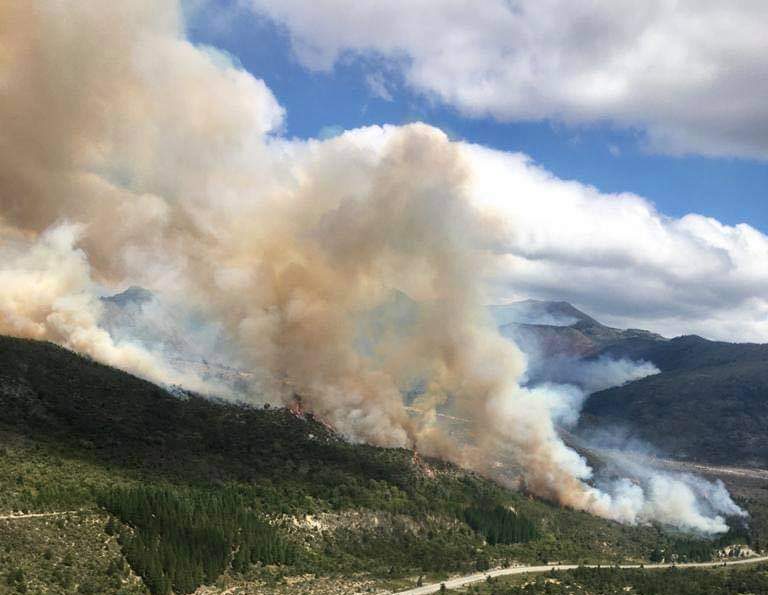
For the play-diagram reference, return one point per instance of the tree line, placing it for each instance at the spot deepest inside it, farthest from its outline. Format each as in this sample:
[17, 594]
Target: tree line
[177, 540]
[500, 525]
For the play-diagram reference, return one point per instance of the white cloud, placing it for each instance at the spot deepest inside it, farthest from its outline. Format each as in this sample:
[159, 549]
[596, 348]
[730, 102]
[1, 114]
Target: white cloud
[619, 258]
[691, 73]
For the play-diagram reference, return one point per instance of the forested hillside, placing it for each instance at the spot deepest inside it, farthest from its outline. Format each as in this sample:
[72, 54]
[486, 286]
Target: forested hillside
[177, 491]
[710, 402]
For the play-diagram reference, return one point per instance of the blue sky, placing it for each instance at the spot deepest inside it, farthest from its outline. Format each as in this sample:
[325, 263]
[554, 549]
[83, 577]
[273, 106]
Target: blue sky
[731, 189]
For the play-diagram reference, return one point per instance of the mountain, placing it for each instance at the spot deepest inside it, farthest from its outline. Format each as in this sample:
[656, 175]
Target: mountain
[559, 329]
[185, 340]
[131, 297]
[708, 403]
[131, 489]
[689, 352]
[136, 315]
[539, 312]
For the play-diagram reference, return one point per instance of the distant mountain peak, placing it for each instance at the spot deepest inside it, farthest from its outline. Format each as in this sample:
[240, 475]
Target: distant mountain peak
[540, 312]
[133, 295]
[558, 328]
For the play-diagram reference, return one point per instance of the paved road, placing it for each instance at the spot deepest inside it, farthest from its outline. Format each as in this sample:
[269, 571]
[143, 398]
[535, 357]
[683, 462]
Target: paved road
[463, 581]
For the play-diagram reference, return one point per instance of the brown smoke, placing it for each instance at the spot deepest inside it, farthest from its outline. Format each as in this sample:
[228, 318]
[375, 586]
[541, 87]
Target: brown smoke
[130, 156]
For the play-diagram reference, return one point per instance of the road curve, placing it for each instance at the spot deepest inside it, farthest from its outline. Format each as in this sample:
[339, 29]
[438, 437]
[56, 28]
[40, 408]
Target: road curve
[463, 581]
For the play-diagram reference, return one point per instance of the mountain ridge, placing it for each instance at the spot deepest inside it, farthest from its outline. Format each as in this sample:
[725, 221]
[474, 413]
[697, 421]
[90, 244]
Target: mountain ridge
[556, 335]
[708, 403]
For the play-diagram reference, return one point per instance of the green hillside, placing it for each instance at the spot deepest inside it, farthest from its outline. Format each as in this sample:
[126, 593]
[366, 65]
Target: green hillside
[152, 491]
[710, 402]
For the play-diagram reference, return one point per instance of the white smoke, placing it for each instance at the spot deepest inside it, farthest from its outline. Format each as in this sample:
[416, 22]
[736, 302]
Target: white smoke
[591, 375]
[46, 292]
[678, 500]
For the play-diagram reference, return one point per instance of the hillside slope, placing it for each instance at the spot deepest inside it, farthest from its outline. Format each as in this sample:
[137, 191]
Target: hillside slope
[690, 352]
[715, 414]
[164, 485]
[708, 404]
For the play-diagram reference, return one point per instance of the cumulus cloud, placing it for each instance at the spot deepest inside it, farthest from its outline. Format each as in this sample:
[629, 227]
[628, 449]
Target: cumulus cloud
[617, 255]
[691, 73]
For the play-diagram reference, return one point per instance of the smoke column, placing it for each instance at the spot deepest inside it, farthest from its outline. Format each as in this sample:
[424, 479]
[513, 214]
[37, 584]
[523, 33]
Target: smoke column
[130, 156]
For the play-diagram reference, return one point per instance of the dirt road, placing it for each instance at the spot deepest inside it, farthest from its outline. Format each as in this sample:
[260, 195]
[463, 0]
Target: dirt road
[463, 581]
[32, 515]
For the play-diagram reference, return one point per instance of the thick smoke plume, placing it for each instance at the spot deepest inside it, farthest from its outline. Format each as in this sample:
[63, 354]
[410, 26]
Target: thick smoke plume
[130, 156]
